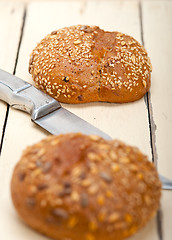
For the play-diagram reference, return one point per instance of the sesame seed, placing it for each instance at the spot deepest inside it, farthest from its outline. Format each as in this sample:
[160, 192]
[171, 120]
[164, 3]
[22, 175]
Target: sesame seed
[144, 83]
[113, 217]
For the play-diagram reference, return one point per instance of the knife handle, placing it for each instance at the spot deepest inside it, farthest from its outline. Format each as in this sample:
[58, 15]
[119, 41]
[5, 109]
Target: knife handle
[23, 96]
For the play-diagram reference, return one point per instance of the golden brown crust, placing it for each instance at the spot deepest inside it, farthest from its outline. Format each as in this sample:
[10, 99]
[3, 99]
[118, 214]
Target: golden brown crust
[83, 187]
[82, 64]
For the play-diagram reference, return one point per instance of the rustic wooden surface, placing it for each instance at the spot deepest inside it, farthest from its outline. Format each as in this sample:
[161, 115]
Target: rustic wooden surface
[22, 26]
[157, 29]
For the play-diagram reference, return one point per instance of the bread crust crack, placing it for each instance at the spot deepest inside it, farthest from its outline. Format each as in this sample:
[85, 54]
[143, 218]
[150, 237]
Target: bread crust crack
[80, 64]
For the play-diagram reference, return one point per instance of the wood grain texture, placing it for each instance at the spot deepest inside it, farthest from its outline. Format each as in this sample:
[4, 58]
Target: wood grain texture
[128, 122]
[10, 24]
[157, 28]
[11, 15]
[157, 22]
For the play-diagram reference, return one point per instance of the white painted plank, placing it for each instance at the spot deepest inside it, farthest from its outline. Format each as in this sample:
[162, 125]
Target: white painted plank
[157, 19]
[10, 24]
[3, 108]
[167, 210]
[157, 28]
[127, 122]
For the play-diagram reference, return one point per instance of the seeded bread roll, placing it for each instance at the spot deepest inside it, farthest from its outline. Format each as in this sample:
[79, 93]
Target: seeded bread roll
[82, 64]
[77, 187]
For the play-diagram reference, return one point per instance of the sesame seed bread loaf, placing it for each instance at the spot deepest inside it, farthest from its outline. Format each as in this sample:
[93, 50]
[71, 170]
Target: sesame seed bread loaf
[77, 187]
[82, 64]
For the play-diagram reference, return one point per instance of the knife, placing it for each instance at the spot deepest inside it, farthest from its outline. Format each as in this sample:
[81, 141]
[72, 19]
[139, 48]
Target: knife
[47, 112]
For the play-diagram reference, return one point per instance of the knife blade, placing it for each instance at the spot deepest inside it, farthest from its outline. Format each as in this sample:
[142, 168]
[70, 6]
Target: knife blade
[47, 112]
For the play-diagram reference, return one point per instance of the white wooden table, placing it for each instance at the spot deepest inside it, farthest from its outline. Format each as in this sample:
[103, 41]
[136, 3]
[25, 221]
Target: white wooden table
[146, 123]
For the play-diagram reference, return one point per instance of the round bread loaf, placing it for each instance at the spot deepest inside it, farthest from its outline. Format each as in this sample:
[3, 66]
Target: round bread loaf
[82, 64]
[73, 187]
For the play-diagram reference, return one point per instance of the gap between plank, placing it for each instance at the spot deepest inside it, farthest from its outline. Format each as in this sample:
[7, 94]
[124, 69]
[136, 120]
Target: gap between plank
[152, 129]
[14, 71]
[147, 98]
[4, 127]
